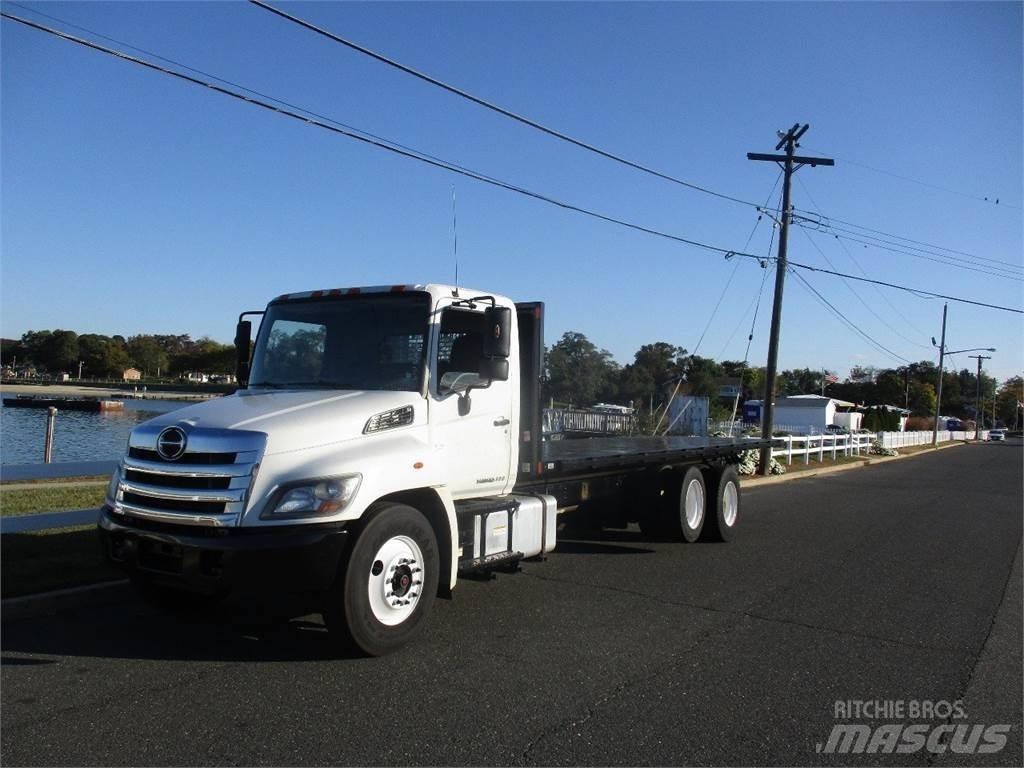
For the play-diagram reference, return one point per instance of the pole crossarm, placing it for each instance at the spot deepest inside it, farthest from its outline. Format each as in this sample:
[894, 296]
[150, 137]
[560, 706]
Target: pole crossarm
[811, 161]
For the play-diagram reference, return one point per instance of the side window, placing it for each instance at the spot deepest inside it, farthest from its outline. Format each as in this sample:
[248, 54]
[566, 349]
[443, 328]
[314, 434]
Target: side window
[460, 347]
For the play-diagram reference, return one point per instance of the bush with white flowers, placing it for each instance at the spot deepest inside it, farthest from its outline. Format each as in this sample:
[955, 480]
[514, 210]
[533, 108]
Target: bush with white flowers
[877, 449]
[750, 459]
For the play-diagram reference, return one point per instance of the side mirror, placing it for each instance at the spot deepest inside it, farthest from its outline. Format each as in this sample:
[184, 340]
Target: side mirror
[498, 333]
[494, 369]
[243, 351]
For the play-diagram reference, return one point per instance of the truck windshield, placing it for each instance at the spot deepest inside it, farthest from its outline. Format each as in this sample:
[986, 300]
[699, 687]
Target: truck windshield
[370, 342]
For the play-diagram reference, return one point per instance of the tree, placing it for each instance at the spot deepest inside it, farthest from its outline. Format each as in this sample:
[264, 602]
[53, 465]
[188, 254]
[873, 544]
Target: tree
[653, 366]
[922, 398]
[148, 354]
[1008, 400]
[702, 375]
[578, 372]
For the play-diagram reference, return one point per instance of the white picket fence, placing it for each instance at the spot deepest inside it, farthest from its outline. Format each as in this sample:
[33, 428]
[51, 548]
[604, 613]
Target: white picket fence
[820, 447]
[924, 437]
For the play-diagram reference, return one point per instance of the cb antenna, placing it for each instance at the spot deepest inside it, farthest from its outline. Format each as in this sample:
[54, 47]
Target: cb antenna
[455, 241]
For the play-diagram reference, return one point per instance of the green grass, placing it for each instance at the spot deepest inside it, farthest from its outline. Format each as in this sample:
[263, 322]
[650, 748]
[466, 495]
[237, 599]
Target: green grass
[31, 500]
[54, 559]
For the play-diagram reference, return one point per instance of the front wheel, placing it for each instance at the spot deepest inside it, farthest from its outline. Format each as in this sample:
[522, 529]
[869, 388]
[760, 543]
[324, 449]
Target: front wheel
[387, 585]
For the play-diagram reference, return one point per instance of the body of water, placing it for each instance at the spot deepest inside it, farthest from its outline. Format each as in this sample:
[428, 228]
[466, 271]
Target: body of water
[78, 435]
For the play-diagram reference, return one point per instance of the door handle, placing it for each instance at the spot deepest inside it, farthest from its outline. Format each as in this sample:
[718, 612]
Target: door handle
[502, 422]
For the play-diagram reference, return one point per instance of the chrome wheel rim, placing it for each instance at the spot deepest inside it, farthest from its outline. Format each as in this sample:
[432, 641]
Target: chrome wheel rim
[395, 580]
[693, 504]
[730, 504]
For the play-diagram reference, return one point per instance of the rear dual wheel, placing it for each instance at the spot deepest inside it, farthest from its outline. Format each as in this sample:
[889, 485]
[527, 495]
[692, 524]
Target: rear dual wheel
[723, 512]
[700, 504]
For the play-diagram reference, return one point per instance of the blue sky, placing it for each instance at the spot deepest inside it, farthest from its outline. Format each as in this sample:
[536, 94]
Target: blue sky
[133, 203]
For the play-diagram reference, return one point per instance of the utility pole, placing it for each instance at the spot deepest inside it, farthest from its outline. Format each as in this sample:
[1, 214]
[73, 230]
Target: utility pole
[978, 414]
[787, 161]
[942, 358]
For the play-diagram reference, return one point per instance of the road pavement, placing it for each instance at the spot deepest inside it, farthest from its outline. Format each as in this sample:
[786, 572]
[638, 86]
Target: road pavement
[893, 583]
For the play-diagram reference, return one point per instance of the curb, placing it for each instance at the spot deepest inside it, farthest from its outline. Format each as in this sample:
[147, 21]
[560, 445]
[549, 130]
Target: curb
[49, 603]
[757, 482]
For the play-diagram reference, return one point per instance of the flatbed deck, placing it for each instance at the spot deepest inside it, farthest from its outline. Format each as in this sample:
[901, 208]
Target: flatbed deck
[560, 458]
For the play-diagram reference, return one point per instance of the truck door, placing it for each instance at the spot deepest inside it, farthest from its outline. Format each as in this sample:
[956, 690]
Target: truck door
[474, 439]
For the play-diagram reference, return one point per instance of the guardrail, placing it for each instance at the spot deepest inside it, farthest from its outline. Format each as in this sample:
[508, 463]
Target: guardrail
[44, 521]
[820, 446]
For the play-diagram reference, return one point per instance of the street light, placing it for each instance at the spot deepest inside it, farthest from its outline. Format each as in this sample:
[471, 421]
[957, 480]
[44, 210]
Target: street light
[942, 355]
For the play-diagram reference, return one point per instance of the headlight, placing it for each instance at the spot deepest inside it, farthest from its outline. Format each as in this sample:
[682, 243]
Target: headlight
[113, 485]
[314, 498]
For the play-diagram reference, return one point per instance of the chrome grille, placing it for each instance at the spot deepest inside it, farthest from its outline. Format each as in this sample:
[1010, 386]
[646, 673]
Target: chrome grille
[205, 486]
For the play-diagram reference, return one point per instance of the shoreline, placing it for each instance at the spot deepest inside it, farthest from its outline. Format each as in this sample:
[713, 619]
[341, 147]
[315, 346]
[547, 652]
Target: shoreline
[110, 393]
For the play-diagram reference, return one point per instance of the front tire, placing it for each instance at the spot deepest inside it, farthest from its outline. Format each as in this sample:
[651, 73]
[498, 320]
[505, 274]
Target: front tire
[386, 586]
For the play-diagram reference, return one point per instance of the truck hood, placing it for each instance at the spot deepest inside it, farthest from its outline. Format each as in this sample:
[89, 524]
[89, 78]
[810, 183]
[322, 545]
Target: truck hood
[293, 419]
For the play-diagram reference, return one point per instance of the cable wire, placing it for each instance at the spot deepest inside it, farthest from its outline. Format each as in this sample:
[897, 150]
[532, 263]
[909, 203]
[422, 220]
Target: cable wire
[735, 267]
[939, 187]
[382, 143]
[849, 323]
[451, 167]
[832, 219]
[494, 107]
[916, 291]
[1005, 273]
[847, 282]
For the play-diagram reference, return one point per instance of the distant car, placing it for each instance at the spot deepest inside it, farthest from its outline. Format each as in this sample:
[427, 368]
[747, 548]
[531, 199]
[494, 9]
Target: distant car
[835, 429]
[997, 434]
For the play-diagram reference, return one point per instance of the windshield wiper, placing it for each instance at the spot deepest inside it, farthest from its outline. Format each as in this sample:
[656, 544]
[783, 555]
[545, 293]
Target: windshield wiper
[267, 385]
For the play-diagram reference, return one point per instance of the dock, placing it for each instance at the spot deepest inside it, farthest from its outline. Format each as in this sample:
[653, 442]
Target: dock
[64, 403]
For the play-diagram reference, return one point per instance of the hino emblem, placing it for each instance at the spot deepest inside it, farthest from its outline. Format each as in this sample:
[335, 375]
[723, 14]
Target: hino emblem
[170, 444]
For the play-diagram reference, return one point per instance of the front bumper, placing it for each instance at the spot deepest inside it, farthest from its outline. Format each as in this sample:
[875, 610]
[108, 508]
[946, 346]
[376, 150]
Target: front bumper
[295, 558]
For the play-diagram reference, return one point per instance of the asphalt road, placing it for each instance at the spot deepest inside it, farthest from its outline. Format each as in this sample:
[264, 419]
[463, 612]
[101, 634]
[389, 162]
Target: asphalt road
[895, 582]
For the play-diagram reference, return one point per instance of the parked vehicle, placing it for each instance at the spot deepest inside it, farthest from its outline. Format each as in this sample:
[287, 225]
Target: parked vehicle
[384, 442]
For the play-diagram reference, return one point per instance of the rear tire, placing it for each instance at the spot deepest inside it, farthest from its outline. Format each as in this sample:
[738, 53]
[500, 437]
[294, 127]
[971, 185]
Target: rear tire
[692, 505]
[387, 584]
[723, 505]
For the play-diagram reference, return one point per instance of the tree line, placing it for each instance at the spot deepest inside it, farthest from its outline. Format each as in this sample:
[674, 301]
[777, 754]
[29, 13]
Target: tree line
[107, 357]
[579, 373]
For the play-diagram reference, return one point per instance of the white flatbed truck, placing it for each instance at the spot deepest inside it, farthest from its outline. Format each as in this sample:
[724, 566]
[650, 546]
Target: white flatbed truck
[382, 442]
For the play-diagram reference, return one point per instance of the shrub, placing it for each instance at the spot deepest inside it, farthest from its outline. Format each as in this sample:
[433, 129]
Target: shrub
[877, 449]
[750, 459]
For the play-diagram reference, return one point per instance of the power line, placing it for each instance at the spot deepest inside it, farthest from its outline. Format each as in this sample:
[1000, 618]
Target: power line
[383, 143]
[974, 261]
[859, 297]
[957, 265]
[451, 167]
[494, 107]
[843, 318]
[916, 291]
[832, 219]
[736, 267]
[992, 201]
[861, 270]
[755, 302]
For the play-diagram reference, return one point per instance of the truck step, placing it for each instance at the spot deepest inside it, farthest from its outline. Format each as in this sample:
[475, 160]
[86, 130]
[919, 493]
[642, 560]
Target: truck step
[493, 562]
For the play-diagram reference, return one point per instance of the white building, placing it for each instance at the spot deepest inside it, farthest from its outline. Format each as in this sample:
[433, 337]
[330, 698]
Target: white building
[811, 414]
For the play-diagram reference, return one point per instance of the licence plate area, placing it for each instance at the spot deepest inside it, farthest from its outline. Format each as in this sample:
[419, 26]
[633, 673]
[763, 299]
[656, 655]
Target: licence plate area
[160, 556]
